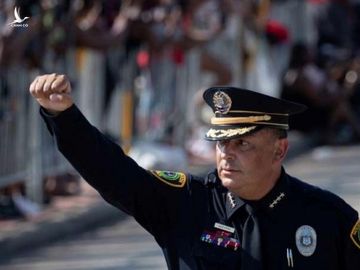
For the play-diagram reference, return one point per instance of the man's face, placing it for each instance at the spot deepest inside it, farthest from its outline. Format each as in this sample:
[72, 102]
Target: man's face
[248, 163]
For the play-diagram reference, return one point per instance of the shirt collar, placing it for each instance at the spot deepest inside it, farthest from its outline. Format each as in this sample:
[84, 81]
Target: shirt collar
[272, 201]
[277, 195]
[232, 204]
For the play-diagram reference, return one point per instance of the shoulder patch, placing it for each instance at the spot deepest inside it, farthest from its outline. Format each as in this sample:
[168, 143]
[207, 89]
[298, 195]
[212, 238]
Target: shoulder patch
[355, 234]
[174, 179]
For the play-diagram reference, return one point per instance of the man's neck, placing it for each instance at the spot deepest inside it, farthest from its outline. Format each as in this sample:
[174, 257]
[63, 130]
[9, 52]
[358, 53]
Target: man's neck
[257, 192]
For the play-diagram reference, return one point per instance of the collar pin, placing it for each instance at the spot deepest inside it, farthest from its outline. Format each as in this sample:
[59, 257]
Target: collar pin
[277, 200]
[231, 199]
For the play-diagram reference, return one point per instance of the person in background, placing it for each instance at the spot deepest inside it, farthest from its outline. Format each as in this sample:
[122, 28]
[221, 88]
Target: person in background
[327, 101]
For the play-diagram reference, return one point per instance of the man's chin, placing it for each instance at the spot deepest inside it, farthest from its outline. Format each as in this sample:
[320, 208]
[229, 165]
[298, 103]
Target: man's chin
[227, 182]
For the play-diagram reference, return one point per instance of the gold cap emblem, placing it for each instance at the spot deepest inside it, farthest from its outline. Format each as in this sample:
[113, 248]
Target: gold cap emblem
[222, 102]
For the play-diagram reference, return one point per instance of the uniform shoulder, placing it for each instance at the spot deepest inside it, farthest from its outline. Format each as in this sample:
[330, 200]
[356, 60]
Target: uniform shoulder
[320, 201]
[207, 179]
[317, 195]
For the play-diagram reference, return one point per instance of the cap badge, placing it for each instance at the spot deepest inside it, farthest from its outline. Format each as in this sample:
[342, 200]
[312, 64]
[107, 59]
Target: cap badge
[222, 102]
[306, 239]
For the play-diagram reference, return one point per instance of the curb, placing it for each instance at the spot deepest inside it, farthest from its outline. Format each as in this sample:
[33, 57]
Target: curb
[49, 231]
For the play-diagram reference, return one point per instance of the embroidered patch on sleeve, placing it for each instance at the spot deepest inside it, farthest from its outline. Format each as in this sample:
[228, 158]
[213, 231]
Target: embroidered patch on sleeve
[174, 179]
[355, 234]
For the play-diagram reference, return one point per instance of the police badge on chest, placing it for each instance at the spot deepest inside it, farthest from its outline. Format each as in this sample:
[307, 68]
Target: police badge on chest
[306, 240]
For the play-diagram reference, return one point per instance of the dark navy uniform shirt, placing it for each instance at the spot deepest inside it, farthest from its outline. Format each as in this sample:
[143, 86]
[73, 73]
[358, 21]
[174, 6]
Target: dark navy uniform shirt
[198, 223]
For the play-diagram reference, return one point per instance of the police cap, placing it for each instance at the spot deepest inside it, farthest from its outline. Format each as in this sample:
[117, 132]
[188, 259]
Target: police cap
[240, 111]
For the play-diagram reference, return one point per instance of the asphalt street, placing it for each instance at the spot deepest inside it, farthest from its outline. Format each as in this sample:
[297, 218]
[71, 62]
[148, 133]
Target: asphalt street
[123, 245]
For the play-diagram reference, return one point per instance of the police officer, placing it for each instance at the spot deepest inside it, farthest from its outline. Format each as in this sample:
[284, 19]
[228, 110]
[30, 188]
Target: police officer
[246, 214]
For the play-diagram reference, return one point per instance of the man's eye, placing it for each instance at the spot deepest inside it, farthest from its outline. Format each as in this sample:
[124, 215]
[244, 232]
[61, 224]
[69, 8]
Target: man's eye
[222, 144]
[241, 145]
[244, 145]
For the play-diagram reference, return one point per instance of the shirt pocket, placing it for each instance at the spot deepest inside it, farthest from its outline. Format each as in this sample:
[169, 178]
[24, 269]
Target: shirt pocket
[211, 256]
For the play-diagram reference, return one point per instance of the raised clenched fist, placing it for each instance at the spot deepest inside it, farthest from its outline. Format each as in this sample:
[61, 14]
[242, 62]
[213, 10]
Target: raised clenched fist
[52, 91]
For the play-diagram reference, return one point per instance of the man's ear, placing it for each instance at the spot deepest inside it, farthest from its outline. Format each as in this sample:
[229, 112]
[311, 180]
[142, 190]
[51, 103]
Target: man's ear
[281, 148]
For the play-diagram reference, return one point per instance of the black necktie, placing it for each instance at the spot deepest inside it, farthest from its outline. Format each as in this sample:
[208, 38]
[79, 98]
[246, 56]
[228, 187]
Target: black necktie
[251, 256]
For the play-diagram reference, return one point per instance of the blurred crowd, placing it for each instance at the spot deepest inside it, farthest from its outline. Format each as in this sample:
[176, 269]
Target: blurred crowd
[322, 73]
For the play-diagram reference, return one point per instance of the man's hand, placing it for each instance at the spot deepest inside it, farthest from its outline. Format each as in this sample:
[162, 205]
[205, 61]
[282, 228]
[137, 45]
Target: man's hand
[52, 91]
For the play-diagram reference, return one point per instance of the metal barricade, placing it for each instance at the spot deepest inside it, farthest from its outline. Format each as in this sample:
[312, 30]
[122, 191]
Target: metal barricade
[13, 126]
[28, 154]
[90, 84]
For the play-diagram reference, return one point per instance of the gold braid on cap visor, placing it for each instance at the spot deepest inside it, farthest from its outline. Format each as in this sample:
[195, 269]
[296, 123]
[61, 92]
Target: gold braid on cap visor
[226, 133]
[261, 119]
